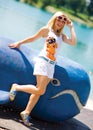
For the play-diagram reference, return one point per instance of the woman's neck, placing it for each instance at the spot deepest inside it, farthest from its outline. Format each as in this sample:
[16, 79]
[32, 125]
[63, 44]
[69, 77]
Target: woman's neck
[56, 31]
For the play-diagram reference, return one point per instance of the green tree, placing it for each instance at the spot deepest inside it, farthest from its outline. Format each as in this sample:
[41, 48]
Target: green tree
[31, 1]
[90, 8]
[77, 5]
[60, 3]
[45, 3]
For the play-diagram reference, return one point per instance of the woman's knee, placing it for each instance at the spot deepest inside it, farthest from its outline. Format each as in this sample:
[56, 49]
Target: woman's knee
[42, 82]
[41, 91]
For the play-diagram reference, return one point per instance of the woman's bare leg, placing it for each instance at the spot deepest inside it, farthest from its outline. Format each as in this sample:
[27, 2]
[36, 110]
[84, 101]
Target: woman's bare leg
[35, 97]
[31, 103]
[36, 91]
[39, 89]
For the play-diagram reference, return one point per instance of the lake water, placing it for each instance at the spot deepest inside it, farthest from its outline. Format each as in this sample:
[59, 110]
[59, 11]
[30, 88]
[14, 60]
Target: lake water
[19, 20]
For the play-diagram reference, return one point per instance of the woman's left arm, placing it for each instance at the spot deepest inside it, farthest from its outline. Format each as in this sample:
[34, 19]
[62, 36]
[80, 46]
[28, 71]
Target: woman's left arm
[72, 40]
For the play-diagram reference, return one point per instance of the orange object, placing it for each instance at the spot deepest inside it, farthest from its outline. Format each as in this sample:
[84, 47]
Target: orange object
[51, 46]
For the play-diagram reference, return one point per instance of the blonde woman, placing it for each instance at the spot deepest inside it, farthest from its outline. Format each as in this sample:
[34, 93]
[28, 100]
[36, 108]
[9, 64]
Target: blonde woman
[45, 65]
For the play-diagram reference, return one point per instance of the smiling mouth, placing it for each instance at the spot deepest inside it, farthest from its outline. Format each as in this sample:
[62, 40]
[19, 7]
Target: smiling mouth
[72, 93]
[60, 25]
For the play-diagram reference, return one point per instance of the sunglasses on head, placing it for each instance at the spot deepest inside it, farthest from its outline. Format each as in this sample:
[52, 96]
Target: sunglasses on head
[62, 17]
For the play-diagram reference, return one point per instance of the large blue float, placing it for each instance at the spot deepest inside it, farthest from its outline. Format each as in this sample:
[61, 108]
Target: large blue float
[66, 94]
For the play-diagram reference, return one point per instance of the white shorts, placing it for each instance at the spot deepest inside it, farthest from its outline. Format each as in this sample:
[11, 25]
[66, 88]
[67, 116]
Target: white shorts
[42, 67]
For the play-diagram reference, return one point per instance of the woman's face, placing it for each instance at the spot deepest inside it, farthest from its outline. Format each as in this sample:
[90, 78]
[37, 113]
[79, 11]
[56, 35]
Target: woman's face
[60, 21]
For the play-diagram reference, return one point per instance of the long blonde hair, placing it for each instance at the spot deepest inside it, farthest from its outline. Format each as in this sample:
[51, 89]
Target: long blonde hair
[51, 22]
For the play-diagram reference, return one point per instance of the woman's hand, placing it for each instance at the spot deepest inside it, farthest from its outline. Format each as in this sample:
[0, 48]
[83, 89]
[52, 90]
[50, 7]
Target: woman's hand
[15, 45]
[69, 23]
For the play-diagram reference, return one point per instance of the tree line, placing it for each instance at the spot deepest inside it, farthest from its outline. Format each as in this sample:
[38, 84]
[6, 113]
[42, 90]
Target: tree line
[78, 6]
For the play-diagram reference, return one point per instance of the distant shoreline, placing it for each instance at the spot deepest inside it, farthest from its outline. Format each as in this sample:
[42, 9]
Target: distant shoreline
[72, 17]
[51, 9]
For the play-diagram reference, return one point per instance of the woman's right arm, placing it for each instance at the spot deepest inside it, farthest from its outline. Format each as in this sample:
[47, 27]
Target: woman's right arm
[39, 34]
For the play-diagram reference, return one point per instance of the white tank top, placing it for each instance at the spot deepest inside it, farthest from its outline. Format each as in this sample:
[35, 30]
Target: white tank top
[58, 39]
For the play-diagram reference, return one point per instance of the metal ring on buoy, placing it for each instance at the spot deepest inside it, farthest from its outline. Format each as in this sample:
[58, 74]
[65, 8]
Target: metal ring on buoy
[55, 82]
